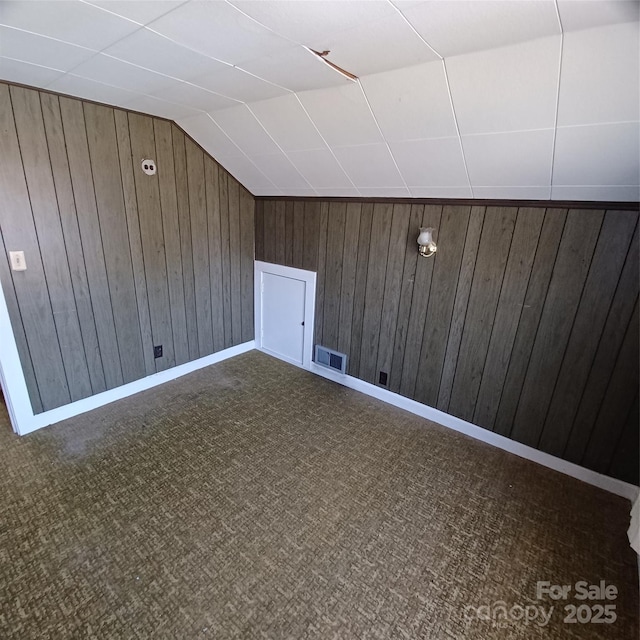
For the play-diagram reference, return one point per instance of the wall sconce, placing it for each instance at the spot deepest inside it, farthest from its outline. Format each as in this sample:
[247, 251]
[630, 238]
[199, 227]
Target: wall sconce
[427, 247]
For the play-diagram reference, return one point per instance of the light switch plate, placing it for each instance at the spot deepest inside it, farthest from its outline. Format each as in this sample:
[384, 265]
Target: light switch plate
[17, 260]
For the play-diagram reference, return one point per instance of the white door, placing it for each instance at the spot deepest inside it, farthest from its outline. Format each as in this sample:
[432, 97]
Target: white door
[284, 318]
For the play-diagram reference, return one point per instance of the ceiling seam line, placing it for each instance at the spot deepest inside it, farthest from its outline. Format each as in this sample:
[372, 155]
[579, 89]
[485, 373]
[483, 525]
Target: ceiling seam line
[184, 46]
[200, 53]
[555, 4]
[284, 153]
[353, 184]
[555, 123]
[104, 84]
[373, 115]
[118, 15]
[415, 30]
[242, 152]
[32, 64]
[137, 66]
[164, 75]
[455, 122]
[253, 75]
[111, 86]
[224, 62]
[509, 131]
[215, 93]
[46, 37]
[264, 26]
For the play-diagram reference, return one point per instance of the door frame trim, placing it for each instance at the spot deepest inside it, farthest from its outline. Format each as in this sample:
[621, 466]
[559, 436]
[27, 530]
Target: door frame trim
[309, 278]
[12, 380]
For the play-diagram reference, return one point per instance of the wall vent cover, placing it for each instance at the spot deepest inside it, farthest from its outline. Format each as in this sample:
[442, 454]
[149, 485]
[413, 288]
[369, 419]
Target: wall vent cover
[331, 359]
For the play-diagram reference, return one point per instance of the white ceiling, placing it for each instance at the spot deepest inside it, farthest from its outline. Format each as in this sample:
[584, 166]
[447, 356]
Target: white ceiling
[524, 99]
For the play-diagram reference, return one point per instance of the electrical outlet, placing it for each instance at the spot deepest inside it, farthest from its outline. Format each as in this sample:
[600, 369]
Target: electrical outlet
[149, 167]
[17, 261]
[157, 351]
[382, 378]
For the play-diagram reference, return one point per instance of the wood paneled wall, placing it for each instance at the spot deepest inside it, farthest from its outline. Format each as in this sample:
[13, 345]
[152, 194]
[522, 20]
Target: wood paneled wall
[117, 261]
[525, 322]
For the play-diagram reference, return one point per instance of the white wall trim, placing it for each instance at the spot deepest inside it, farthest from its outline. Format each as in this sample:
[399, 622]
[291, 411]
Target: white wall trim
[309, 278]
[14, 385]
[613, 485]
[634, 528]
[29, 423]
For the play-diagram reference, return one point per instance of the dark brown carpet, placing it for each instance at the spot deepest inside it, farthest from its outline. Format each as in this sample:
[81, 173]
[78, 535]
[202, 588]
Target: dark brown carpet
[255, 500]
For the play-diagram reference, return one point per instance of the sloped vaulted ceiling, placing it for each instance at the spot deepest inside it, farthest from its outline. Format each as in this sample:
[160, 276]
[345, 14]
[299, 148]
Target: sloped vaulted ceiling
[486, 99]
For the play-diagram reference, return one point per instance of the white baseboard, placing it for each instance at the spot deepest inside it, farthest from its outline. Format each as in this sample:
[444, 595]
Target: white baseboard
[613, 485]
[32, 423]
[29, 423]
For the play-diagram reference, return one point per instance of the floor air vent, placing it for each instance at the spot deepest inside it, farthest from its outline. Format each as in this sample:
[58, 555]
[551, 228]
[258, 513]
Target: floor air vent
[331, 359]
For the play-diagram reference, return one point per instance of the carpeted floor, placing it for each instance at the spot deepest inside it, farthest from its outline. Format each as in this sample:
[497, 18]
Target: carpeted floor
[255, 500]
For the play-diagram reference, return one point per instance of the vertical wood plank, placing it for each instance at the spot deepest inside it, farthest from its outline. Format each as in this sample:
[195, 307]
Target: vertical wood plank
[337, 218]
[323, 223]
[414, 301]
[297, 259]
[135, 241]
[625, 463]
[311, 235]
[90, 234]
[186, 249]
[212, 192]
[172, 244]
[398, 247]
[280, 233]
[348, 280]
[200, 246]
[259, 232]
[446, 269]
[569, 274]
[226, 255]
[234, 259]
[550, 236]
[153, 246]
[503, 332]
[18, 328]
[269, 231]
[600, 287]
[416, 214]
[378, 252]
[362, 268]
[288, 226]
[247, 208]
[615, 329]
[617, 404]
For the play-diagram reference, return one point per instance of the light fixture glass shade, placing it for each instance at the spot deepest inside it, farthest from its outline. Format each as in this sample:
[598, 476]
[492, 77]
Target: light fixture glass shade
[426, 246]
[426, 236]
